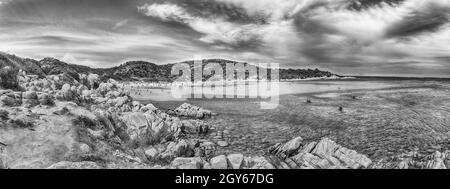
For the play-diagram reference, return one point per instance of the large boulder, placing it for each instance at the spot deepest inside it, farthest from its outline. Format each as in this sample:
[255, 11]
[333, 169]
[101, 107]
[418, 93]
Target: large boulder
[191, 111]
[288, 148]
[235, 160]
[198, 127]
[7, 100]
[150, 128]
[219, 162]
[182, 148]
[325, 154]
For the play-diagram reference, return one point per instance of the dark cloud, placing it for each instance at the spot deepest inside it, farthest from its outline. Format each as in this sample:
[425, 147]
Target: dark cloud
[361, 5]
[428, 20]
[348, 36]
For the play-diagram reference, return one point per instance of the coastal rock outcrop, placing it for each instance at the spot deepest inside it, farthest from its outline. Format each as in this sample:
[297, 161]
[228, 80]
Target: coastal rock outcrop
[415, 160]
[325, 154]
[191, 111]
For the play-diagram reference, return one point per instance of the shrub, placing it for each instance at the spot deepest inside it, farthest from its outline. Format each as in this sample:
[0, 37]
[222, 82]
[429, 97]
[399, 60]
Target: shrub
[84, 122]
[21, 123]
[4, 115]
[8, 78]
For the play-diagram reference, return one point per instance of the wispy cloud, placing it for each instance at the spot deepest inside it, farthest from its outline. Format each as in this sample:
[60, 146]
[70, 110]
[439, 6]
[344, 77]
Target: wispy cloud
[383, 37]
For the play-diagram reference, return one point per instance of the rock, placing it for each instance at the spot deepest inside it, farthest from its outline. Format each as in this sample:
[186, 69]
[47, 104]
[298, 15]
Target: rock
[191, 111]
[137, 126]
[235, 160]
[152, 153]
[31, 95]
[75, 165]
[120, 101]
[99, 134]
[288, 148]
[45, 99]
[259, 163]
[403, 165]
[178, 149]
[310, 161]
[104, 88]
[325, 154]
[7, 101]
[187, 163]
[149, 107]
[219, 162]
[207, 166]
[352, 159]
[112, 94]
[437, 162]
[149, 127]
[208, 149]
[94, 81]
[195, 127]
[222, 143]
[5, 92]
[84, 148]
[81, 89]
[325, 147]
[309, 147]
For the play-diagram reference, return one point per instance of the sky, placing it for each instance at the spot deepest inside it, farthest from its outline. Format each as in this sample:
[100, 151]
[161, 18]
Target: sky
[352, 37]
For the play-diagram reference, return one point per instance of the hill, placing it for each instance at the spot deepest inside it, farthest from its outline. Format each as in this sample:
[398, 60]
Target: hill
[134, 70]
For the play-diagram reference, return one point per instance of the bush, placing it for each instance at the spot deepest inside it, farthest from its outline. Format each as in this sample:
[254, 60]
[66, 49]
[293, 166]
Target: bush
[4, 115]
[85, 122]
[21, 123]
[8, 78]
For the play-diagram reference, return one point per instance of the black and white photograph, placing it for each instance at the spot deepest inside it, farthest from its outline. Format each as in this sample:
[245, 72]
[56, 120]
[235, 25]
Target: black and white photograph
[224, 85]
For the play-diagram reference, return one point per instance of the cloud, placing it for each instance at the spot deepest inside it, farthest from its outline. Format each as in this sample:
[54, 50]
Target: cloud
[347, 36]
[274, 36]
[120, 24]
[215, 29]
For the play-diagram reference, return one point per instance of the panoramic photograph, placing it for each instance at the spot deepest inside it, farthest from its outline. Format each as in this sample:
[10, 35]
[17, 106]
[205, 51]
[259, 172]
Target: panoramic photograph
[224, 84]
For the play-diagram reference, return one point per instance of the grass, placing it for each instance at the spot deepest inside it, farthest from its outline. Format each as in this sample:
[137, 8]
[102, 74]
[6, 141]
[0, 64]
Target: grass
[82, 135]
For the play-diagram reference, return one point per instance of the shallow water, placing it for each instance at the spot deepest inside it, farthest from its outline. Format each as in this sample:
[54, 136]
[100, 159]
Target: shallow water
[387, 116]
[255, 90]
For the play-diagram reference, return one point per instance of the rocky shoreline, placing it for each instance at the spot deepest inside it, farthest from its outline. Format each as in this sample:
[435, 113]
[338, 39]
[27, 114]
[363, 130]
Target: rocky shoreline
[66, 122]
